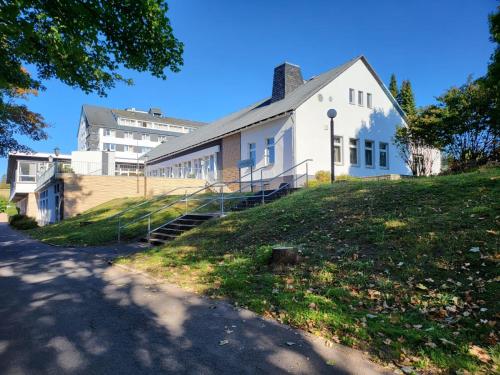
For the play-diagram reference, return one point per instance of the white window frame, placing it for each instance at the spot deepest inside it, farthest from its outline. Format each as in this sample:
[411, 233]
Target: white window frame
[27, 178]
[145, 137]
[108, 132]
[372, 149]
[352, 96]
[386, 151]
[361, 98]
[356, 147]
[267, 152]
[111, 146]
[340, 145]
[369, 100]
[128, 135]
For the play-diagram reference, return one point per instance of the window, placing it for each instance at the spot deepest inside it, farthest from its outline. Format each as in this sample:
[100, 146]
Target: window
[369, 100]
[352, 99]
[162, 138]
[360, 98]
[269, 153]
[109, 132]
[127, 135]
[128, 148]
[109, 147]
[145, 137]
[337, 150]
[252, 152]
[369, 153]
[353, 151]
[27, 172]
[384, 155]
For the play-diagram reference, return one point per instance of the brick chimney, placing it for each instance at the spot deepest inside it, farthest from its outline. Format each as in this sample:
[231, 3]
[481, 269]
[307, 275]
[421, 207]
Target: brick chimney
[287, 77]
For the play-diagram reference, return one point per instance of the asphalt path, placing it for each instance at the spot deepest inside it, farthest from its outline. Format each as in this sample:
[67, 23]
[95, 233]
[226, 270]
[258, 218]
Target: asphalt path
[67, 310]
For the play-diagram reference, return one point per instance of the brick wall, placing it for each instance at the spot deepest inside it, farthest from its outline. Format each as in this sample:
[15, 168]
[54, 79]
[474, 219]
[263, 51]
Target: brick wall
[28, 206]
[84, 192]
[231, 154]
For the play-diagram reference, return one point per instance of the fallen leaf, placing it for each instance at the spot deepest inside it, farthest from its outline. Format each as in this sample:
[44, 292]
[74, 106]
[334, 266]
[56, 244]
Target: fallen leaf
[421, 286]
[223, 342]
[474, 250]
[447, 342]
[290, 343]
[479, 353]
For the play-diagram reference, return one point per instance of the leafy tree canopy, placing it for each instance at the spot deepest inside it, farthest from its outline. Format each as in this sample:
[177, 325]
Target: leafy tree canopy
[81, 43]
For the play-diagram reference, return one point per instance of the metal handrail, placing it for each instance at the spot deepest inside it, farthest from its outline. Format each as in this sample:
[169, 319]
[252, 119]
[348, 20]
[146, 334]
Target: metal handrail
[158, 197]
[185, 199]
[220, 197]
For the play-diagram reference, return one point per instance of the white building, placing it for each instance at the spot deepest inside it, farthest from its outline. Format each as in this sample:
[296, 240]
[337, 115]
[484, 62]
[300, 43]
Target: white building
[128, 133]
[291, 126]
[25, 172]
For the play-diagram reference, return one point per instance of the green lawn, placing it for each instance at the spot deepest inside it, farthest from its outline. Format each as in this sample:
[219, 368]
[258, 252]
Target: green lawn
[407, 270]
[103, 229]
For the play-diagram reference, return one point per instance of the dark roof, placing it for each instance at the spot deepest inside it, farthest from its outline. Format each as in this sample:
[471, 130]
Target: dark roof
[259, 112]
[106, 117]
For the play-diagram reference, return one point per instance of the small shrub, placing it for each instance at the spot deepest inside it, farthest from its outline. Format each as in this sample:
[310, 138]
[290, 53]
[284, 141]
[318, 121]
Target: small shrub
[22, 222]
[323, 176]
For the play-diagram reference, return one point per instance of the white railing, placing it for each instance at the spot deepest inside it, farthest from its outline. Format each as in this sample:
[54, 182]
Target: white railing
[76, 167]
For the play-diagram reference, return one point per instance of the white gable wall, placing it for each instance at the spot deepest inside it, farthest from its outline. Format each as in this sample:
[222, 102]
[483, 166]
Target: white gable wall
[353, 121]
[281, 130]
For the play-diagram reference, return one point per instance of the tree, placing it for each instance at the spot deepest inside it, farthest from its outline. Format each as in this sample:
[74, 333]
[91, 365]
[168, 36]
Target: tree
[466, 129]
[492, 79]
[83, 44]
[393, 86]
[416, 141]
[406, 99]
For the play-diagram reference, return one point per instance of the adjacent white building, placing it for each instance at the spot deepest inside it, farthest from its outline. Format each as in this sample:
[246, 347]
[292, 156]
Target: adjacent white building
[128, 133]
[291, 126]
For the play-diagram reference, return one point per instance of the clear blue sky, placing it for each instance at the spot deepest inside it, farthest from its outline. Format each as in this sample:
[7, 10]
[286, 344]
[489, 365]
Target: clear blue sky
[231, 48]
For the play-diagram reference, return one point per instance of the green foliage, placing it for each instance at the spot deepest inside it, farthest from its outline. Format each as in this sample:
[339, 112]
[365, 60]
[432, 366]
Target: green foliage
[81, 44]
[393, 86]
[323, 176]
[406, 99]
[397, 268]
[22, 222]
[492, 79]
[463, 126]
[3, 205]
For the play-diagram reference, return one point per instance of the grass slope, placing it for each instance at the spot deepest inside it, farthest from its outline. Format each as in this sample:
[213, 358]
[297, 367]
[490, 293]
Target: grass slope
[407, 270]
[103, 229]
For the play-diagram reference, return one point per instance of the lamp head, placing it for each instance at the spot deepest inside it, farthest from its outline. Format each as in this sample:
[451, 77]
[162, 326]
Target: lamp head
[332, 113]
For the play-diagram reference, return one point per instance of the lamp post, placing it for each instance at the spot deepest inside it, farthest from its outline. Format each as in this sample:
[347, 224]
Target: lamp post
[332, 113]
[145, 175]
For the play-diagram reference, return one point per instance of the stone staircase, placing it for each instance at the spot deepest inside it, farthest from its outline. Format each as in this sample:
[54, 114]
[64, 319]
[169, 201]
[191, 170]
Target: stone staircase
[187, 222]
[180, 225]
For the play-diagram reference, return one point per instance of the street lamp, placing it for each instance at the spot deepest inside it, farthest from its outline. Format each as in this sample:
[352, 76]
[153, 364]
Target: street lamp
[332, 113]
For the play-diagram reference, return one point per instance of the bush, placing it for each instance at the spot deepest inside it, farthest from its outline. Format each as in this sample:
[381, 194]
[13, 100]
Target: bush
[322, 176]
[22, 222]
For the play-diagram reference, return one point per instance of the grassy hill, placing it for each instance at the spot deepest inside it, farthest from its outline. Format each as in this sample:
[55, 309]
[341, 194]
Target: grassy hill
[407, 270]
[100, 227]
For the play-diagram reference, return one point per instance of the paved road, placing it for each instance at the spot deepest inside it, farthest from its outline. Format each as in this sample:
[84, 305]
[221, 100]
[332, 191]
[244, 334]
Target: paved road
[66, 311]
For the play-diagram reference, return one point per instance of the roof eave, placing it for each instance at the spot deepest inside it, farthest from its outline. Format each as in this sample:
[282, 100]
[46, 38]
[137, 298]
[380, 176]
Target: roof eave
[289, 112]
